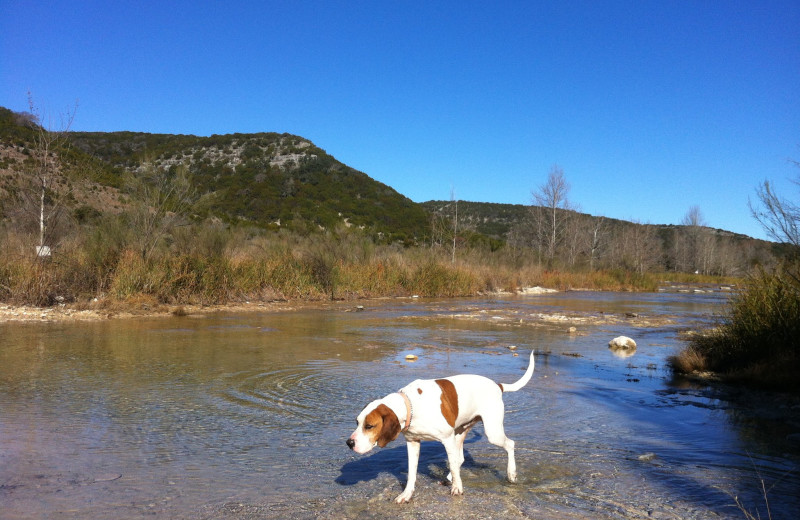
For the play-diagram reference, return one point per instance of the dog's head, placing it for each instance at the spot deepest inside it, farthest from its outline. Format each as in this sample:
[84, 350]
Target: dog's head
[377, 424]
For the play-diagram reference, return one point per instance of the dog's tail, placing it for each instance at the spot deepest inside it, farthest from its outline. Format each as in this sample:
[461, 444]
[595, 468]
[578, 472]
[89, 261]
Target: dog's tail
[522, 381]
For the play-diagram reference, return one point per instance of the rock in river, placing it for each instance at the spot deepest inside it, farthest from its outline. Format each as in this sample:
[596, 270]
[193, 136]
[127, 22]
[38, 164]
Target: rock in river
[623, 342]
[622, 346]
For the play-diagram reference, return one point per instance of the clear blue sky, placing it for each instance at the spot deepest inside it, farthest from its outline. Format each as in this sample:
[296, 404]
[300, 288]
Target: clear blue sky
[648, 107]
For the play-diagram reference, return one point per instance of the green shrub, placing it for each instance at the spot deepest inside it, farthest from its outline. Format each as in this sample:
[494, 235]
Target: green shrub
[757, 339]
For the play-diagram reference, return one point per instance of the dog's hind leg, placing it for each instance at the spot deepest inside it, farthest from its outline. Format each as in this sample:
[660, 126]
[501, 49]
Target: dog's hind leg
[493, 426]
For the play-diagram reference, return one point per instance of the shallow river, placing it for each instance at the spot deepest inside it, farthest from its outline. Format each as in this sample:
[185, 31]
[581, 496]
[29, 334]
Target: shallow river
[246, 415]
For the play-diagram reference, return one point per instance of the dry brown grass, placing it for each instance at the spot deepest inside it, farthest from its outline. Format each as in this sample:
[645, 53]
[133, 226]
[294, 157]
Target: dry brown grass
[689, 360]
[233, 266]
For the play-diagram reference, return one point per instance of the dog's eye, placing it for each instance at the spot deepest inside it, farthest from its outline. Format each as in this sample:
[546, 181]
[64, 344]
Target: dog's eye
[369, 426]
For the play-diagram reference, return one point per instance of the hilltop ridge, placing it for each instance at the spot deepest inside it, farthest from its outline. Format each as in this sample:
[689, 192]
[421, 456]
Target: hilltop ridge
[266, 179]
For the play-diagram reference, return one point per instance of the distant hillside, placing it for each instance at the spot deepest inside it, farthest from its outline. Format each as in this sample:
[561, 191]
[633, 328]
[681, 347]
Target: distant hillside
[497, 220]
[490, 219]
[601, 241]
[267, 179]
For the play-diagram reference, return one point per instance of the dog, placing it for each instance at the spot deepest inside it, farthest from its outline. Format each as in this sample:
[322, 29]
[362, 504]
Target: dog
[439, 410]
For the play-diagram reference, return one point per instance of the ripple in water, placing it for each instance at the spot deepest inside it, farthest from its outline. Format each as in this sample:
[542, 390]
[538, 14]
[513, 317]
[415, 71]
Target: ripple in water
[278, 396]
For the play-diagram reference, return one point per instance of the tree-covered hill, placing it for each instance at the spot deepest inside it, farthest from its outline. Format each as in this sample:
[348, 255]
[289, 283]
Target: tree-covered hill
[499, 220]
[265, 179]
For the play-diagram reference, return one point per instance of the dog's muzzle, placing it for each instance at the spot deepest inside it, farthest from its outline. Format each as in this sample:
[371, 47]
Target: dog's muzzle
[351, 443]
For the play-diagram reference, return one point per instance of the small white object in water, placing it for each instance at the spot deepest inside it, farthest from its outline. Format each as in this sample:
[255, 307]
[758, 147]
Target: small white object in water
[622, 342]
[622, 346]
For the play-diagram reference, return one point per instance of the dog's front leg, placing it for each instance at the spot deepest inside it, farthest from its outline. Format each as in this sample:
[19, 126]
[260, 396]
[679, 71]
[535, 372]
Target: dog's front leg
[413, 460]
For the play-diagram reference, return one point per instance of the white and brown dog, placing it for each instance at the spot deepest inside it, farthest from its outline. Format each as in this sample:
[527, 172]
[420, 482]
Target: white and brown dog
[442, 410]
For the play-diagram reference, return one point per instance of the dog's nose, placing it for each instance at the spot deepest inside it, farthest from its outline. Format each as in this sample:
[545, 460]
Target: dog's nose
[351, 443]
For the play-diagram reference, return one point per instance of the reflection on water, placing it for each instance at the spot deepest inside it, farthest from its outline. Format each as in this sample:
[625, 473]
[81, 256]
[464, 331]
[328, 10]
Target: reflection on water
[174, 417]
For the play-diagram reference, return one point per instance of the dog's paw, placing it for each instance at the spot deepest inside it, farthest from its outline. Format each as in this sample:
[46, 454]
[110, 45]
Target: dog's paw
[404, 497]
[512, 477]
[457, 490]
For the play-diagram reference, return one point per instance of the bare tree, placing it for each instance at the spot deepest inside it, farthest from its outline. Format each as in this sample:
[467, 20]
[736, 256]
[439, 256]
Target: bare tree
[779, 217]
[650, 249]
[160, 200]
[575, 241]
[536, 236]
[439, 229]
[552, 198]
[518, 242]
[726, 258]
[694, 231]
[454, 201]
[597, 234]
[639, 247]
[693, 217]
[679, 251]
[46, 189]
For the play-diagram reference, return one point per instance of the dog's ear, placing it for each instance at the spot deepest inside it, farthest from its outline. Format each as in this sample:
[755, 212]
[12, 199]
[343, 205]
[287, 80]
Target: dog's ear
[391, 426]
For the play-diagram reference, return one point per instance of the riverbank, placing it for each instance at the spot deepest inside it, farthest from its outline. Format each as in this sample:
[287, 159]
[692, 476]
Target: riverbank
[571, 323]
[96, 310]
[143, 306]
[138, 308]
[70, 312]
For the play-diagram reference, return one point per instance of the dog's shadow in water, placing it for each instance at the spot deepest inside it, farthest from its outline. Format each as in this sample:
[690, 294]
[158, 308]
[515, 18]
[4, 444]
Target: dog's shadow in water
[432, 462]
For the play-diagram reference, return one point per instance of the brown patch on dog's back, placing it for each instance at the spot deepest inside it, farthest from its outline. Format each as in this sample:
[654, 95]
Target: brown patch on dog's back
[449, 401]
[501, 387]
[419, 391]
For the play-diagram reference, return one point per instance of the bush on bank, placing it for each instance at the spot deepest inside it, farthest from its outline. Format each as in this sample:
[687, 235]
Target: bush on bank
[758, 339]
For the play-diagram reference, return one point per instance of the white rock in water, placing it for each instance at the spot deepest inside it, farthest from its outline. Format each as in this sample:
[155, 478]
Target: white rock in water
[622, 343]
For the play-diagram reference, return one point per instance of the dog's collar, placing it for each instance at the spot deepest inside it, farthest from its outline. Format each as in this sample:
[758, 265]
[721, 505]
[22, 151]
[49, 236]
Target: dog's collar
[409, 410]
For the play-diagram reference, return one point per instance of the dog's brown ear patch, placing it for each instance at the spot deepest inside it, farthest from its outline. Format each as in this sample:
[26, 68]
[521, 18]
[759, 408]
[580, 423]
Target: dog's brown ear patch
[449, 401]
[391, 425]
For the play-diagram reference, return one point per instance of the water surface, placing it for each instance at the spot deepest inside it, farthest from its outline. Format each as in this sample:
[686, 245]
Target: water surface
[245, 416]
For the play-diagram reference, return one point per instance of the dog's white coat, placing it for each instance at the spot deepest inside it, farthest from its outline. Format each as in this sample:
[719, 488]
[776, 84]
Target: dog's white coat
[478, 398]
